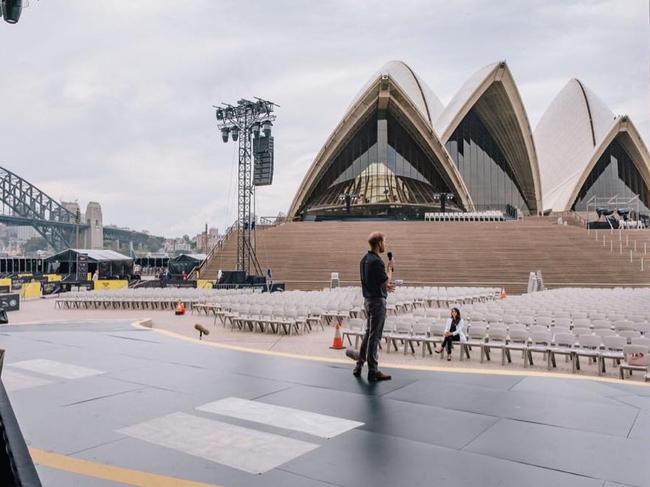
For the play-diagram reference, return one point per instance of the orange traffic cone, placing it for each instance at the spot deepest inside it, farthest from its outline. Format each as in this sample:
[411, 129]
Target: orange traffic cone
[337, 343]
[180, 308]
[503, 294]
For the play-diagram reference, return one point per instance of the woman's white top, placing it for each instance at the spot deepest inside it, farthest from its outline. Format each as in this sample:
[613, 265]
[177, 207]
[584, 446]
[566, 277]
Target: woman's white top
[459, 329]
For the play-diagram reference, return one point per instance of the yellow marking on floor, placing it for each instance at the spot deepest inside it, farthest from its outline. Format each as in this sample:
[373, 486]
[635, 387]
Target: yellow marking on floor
[112, 473]
[427, 368]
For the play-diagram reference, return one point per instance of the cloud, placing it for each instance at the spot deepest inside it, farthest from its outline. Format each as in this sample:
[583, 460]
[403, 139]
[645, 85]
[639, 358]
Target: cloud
[111, 102]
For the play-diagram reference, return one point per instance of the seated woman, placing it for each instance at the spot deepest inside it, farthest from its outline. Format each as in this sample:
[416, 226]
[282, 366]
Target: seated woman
[453, 332]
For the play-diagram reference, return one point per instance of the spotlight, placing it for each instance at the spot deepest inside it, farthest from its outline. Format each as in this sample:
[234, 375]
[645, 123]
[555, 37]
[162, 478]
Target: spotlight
[219, 114]
[11, 10]
[235, 133]
[224, 134]
[256, 130]
[266, 128]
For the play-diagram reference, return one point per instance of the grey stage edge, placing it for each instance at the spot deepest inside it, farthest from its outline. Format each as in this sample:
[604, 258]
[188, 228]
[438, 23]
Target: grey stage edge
[420, 429]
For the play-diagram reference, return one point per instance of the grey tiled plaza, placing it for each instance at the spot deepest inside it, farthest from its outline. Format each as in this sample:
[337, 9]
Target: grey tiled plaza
[113, 394]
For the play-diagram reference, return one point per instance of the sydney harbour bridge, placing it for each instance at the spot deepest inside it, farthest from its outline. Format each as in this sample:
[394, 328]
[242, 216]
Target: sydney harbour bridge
[23, 204]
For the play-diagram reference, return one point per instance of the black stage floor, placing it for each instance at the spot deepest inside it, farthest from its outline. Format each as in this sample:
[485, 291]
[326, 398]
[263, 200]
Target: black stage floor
[94, 394]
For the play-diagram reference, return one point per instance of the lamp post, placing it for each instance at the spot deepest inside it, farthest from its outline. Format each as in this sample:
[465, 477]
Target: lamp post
[443, 198]
[348, 199]
[240, 123]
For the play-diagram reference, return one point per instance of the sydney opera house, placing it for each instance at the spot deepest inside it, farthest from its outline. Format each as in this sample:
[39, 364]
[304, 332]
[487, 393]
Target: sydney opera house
[399, 152]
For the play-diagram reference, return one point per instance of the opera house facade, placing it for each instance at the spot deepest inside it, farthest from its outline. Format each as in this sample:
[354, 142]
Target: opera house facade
[399, 153]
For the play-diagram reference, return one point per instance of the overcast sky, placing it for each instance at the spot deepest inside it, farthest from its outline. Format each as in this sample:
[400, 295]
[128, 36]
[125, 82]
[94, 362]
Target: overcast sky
[110, 100]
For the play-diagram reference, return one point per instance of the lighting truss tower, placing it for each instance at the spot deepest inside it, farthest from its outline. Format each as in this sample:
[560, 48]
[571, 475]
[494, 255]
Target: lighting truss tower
[242, 122]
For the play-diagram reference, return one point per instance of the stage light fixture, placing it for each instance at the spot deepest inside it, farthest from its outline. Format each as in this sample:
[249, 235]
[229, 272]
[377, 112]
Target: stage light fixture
[11, 10]
[266, 128]
[224, 134]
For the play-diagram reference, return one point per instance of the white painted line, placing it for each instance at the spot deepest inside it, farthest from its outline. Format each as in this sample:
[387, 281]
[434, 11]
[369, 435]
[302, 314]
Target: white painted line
[242, 448]
[56, 369]
[281, 417]
[15, 381]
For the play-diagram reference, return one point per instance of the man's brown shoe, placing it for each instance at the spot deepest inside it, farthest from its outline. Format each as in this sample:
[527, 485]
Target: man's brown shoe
[378, 376]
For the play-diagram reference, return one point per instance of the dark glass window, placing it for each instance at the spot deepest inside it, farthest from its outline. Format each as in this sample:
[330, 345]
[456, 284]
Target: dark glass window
[384, 166]
[613, 175]
[485, 170]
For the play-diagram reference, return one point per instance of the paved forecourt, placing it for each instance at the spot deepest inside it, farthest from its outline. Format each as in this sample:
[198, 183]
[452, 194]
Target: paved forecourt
[107, 403]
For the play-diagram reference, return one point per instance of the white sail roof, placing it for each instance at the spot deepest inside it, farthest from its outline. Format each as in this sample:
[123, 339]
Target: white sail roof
[462, 100]
[425, 100]
[492, 91]
[570, 131]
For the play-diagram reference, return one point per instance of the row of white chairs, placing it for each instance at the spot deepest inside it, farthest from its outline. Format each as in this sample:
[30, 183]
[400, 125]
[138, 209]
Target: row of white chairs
[468, 216]
[411, 333]
[157, 298]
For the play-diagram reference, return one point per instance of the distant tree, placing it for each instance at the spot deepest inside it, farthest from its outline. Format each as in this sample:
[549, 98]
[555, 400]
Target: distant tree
[34, 244]
[153, 244]
[186, 238]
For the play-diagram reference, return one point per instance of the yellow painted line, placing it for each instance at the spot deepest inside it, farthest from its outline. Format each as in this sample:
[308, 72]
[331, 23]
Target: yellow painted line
[112, 473]
[429, 368]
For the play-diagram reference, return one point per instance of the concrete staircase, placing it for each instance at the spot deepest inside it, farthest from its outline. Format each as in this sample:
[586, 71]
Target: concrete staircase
[439, 253]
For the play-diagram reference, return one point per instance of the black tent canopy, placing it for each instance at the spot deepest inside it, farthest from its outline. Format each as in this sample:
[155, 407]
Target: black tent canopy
[185, 263]
[111, 264]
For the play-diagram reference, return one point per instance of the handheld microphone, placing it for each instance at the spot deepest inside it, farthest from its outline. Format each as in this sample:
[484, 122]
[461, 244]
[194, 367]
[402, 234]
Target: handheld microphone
[390, 256]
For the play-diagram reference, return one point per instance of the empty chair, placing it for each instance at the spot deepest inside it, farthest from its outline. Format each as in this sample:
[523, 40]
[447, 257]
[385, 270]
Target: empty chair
[582, 323]
[401, 330]
[629, 334]
[612, 348]
[510, 319]
[357, 330]
[545, 321]
[588, 346]
[475, 337]
[635, 359]
[563, 344]
[527, 320]
[493, 318]
[560, 330]
[621, 325]
[562, 322]
[517, 340]
[540, 342]
[645, 341]
[419, 333]
[537, 329]
[604, 332]
[581, 331]
[497, 338]
[643, 328]
[601, 323]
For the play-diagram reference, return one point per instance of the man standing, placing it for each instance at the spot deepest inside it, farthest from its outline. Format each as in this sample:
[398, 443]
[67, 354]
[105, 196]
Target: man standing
[375, 284]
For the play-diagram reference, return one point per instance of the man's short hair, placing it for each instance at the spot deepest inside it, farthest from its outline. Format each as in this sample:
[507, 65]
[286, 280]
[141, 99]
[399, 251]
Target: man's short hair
[374, 238]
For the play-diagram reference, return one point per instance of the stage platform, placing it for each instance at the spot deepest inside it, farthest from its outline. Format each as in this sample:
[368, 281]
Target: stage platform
[104, 403]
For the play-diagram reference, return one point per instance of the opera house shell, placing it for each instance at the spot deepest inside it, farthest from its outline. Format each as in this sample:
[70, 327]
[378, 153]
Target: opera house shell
[398, 152]
[587, 153]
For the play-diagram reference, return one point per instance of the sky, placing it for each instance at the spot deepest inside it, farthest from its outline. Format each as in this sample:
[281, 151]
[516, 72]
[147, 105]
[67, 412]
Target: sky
[112, 101]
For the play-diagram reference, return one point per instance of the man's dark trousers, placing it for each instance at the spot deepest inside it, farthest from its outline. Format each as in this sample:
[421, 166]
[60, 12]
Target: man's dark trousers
[376, 312]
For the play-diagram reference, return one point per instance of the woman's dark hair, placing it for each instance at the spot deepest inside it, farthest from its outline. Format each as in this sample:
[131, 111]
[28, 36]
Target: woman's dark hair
[457, 315]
